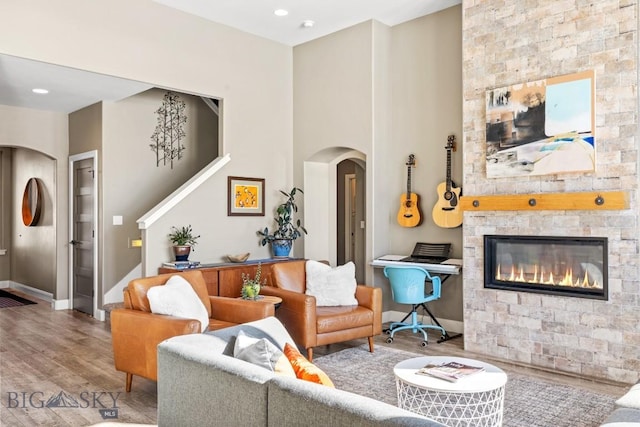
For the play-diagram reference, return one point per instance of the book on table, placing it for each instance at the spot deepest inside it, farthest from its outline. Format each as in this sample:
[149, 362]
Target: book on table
[181, 265]
[450, 371]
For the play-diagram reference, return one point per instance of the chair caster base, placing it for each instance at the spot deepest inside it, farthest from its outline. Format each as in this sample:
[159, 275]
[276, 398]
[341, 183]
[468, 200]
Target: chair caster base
[424, 343]
[389, 340]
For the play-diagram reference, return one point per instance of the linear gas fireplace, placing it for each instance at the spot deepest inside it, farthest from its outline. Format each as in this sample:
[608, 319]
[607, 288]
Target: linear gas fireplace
[569, 266]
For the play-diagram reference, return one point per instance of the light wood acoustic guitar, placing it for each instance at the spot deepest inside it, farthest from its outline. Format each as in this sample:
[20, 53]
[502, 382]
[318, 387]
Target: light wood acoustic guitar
[409, 212]
[447, 213]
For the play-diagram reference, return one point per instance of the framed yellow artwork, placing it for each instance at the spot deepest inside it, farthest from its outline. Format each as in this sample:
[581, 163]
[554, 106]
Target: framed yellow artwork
[245, 196]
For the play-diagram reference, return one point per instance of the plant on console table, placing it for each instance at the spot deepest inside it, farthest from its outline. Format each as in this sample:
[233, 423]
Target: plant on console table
[287, 229]
[183, 240]
[251, 287]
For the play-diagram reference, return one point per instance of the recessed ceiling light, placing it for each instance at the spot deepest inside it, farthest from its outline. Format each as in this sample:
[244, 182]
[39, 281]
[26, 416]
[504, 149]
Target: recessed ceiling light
[40, 91]
[308, 23]
[280, 12]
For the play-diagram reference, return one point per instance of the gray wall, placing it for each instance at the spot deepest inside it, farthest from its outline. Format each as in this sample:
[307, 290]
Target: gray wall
[387, 92]
[426, 108]
[85, 130]
[132, 183]
[335, 115]
[46, 133]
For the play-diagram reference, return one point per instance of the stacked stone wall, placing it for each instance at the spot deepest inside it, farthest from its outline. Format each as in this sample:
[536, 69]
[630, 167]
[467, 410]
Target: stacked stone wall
[510, 42]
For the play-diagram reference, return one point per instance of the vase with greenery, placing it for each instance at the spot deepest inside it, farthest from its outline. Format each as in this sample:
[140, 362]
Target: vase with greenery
[251, 287]
[183, 240]
[286, 228]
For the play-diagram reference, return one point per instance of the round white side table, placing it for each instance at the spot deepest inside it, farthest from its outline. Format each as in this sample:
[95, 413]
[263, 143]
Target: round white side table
[473, 401]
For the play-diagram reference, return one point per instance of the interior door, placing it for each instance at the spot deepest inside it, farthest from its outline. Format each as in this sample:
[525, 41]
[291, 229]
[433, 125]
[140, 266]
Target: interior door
[82, 242]
[351, 210]
[349, 217]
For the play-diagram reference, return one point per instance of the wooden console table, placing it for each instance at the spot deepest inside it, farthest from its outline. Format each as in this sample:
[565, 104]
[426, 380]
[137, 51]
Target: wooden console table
[225, 279]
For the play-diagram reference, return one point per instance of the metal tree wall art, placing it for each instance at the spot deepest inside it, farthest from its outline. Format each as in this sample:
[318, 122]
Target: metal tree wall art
[169, 131]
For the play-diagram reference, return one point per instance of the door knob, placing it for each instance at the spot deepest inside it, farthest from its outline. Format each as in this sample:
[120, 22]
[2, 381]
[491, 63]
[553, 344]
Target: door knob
[75, 242]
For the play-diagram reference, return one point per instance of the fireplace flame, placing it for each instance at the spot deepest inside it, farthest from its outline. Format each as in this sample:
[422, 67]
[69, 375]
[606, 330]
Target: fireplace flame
[540, 276]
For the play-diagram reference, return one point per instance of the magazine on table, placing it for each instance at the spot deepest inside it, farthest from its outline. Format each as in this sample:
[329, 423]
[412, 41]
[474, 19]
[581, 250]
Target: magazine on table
[450, 371]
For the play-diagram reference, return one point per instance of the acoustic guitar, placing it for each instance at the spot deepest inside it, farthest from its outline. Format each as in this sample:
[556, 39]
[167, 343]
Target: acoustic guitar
[409, 213]
[447, 213]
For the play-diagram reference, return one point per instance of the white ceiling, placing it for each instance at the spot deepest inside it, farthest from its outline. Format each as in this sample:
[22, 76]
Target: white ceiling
[257, 17]
[70, 89]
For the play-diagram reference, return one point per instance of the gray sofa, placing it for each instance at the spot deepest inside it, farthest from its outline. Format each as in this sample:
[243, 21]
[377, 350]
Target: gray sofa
[200, 384]
[627, 411]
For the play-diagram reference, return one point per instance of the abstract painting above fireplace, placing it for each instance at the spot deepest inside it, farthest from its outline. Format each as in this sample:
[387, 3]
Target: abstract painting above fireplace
[567, 266]
[542, 127]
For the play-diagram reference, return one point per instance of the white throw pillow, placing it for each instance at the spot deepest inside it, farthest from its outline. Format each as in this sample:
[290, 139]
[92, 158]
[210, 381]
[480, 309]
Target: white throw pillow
[331, 286]
[631, 399]
[177, 298]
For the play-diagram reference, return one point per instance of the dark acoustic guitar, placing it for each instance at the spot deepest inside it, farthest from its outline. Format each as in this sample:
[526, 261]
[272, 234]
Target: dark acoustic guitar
[447, 213]
[409, 213]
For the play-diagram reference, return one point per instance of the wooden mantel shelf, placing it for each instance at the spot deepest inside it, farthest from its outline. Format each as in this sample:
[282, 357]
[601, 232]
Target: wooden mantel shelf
[612, 200]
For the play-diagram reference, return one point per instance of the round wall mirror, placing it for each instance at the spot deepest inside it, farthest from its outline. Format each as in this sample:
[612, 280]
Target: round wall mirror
[31, 202]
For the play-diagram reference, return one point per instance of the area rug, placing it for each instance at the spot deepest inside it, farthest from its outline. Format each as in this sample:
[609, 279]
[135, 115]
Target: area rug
[7, 299]
[529, 402]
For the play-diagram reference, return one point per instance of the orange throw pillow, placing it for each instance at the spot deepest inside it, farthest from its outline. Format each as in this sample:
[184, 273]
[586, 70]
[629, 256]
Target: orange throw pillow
[304, 369]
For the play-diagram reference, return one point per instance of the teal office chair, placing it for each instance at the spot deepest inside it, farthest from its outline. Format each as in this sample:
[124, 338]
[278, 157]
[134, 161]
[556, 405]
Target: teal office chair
[408, 287]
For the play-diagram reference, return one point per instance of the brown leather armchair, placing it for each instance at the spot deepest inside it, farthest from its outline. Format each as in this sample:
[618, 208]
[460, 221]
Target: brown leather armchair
[311, 326]
[136, 332]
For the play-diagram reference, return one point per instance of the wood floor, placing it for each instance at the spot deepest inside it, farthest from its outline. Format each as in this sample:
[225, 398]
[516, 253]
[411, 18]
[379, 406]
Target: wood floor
[45, 352]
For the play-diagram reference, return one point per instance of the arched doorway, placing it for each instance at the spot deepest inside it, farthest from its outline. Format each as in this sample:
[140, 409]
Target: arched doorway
[325, 210]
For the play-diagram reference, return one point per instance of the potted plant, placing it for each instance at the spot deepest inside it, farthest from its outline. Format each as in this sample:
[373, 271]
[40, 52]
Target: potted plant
[287, 229]
[251, 287]
[183, 240]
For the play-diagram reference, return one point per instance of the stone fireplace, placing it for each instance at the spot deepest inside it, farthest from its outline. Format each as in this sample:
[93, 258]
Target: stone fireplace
[505, 43]
[568, 266]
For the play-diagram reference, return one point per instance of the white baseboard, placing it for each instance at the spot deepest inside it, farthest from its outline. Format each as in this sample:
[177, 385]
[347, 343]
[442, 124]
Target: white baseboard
[61, 304]
[451, 326]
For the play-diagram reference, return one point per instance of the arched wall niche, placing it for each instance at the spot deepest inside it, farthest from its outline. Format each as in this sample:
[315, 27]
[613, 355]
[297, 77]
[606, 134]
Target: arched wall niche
[33, 227]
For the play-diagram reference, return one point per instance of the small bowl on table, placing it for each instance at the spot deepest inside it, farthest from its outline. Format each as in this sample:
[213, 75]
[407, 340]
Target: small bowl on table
[238, 258]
